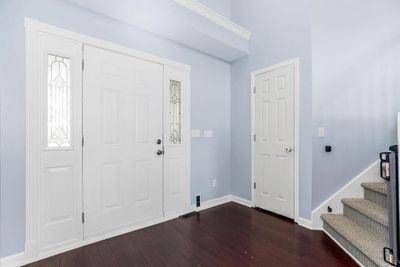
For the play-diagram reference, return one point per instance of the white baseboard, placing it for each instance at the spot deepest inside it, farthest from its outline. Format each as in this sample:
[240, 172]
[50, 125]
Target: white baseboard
[222, 200]
[13, 260]
[213, 203]
[352, 189]
[242, 201]
[305, 223]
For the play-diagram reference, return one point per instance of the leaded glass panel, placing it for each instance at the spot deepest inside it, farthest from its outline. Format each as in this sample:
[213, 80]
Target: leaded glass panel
[59, 102]
[175, 115]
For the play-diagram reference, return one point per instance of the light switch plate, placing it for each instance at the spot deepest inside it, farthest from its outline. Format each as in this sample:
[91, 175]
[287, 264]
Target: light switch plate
[208, 133]
[196, 133]
[321, 132]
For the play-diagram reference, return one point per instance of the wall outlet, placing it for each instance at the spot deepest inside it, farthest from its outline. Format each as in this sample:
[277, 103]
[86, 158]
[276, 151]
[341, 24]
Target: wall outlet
[198, 201]
[214, 183]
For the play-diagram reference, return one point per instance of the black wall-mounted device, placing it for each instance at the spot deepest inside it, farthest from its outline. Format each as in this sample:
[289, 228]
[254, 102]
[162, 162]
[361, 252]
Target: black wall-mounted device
[197, 201]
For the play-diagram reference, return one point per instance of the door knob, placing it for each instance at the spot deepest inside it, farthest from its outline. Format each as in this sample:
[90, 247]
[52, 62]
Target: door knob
[289, 149]
[160, 152]
[158, 142]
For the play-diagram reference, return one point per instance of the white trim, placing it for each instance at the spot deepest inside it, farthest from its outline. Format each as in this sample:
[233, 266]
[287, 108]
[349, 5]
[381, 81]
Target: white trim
[188, 148]
[296, 63]
[222, 200]
[215, 17]
[343, 248]
[32, 27]
[352, 189]
[305, 223]
[242, 201]
[212, 203]
[14, 260]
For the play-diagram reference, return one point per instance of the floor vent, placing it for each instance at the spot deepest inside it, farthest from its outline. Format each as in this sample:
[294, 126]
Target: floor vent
[190, 214]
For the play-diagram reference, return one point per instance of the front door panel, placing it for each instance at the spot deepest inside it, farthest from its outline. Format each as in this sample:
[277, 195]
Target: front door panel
[122, 103]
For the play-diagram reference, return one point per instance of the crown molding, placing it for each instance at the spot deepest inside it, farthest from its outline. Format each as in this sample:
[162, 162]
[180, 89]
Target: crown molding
[215, 17]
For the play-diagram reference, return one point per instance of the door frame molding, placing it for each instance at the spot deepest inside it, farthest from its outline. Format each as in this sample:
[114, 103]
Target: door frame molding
[295, 63]
[32, 158]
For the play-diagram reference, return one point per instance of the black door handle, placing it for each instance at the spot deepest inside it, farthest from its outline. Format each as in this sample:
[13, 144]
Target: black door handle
[160, 152]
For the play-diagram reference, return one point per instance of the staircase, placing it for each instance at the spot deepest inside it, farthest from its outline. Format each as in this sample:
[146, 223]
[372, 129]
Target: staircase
[362, 229]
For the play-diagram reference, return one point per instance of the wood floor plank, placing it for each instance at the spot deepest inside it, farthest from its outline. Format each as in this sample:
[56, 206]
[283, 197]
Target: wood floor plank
[228, 235]
[129, 253]
[223, 255]
[245, 241]
[94, 255]
[49, 262]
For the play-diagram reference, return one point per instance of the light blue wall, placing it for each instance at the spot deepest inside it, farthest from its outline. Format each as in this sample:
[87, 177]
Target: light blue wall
[281, 30]
[210, 103]
[349, 76]
[356, 87]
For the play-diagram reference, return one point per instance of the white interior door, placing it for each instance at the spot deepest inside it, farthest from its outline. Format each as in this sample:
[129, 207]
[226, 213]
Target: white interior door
[274, 126]
[60, 182]
[123, 109]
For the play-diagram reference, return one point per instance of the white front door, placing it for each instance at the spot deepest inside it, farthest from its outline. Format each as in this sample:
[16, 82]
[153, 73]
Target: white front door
[122, 123]
[274, 144]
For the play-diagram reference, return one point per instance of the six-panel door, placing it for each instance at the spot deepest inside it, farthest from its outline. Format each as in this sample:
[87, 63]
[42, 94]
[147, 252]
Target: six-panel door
[274, 145]
[123, 107]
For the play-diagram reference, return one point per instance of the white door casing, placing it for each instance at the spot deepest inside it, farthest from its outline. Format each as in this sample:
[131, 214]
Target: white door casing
[60, 176]
[65, 163]
[274, 144]
[122, 106]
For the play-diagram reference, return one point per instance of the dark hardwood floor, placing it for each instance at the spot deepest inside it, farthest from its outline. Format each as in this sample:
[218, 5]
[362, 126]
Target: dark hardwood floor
[227, 235]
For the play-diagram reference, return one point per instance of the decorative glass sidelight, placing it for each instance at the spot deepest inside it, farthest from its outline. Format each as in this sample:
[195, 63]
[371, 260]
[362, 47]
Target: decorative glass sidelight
[175, 117]
[59, 102]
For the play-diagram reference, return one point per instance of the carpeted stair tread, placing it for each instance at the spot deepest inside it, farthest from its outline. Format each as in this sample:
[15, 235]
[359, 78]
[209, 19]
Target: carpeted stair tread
[369, 209]
[360, 238]
[379, 187]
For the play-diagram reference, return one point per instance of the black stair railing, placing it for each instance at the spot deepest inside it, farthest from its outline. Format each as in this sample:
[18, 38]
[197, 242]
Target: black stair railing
[390, 172]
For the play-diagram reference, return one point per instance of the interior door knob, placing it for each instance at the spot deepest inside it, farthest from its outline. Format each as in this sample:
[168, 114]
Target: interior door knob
[289, 149]
[158, 142]
[160, 152]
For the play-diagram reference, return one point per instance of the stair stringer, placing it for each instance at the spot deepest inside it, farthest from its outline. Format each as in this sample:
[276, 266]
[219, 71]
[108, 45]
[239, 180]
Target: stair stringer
[352, 189]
